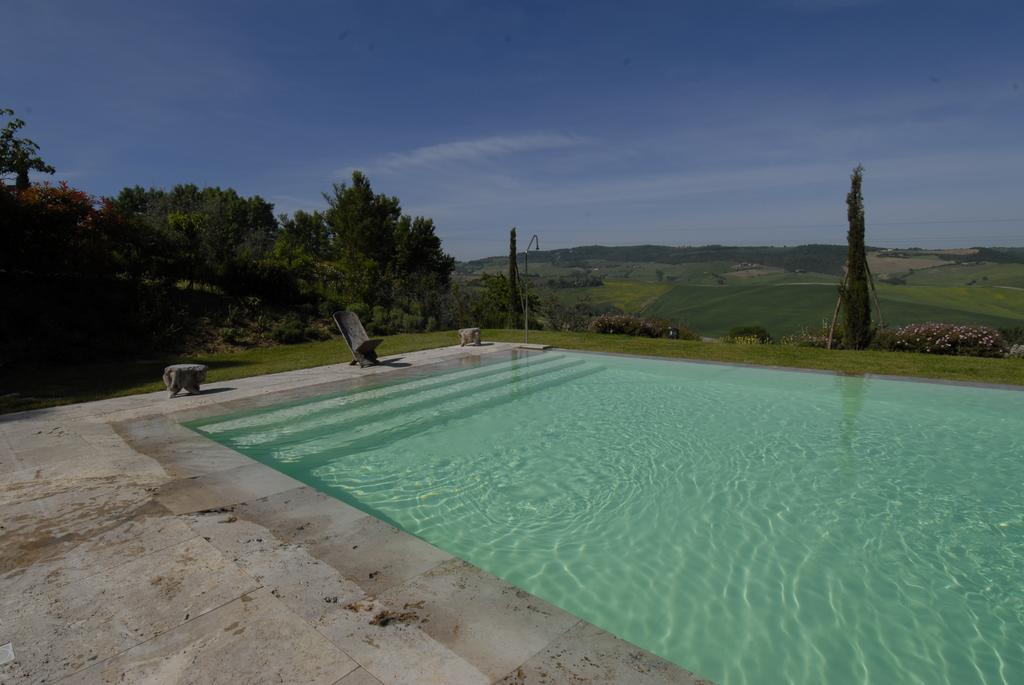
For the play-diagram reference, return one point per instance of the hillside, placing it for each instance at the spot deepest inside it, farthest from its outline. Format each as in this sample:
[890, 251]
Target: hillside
[823, 258]
[714, 288]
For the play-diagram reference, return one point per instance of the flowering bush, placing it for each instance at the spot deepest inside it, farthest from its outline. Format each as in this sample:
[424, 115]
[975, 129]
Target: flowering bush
[633, 325]
[742, 334]
[945, 338]
[816, 337]
[745, 340]
[1016, 352]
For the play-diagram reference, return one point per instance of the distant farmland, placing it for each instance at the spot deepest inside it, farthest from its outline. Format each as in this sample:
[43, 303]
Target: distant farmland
[786, 308]
[713, 288]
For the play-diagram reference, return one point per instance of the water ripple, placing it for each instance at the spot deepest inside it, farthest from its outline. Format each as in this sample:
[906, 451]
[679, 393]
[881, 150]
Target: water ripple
[755, 526]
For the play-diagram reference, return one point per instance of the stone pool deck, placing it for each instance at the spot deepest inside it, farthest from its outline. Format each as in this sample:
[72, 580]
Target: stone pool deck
[134, 550]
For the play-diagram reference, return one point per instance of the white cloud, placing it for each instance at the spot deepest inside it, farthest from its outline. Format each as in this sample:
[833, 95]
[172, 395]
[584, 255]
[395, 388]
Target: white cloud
[475, 149]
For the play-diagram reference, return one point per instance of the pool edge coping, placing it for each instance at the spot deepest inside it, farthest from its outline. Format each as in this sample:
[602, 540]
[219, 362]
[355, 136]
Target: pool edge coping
[800, 369]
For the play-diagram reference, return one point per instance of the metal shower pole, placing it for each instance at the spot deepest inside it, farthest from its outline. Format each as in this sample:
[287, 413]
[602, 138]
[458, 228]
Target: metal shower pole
[526, 282]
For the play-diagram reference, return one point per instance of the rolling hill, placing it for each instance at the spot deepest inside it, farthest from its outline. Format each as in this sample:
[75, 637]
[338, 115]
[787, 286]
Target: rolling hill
[714, 288]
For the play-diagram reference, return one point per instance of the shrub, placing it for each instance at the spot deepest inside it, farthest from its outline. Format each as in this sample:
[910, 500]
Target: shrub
[289, 331]
[1016, 351]
[313, 332]
[945, 338]
[333, 302]
[1013, 336]
[624, 324]
[411, 322]
[884, 339]
[379, 321]
[744, 340]
[232, 335]
[562, 317]
[816, 337]
[758, 332]
[264, 278]
[686, 333]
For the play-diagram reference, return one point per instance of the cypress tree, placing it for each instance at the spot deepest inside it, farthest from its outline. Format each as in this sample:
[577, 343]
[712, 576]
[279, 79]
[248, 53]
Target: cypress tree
[514, 301]
[854, 294]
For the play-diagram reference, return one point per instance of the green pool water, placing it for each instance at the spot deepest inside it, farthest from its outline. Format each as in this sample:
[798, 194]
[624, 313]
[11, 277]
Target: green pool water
[751, 525]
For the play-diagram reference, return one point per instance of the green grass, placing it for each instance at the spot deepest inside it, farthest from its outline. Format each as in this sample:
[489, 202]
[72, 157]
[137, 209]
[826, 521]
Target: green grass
[713, 310]
[786, 308]
[34, 387]
[983, 274]
[629, 296]
[48, 386]
[975, 369]
[994, 306]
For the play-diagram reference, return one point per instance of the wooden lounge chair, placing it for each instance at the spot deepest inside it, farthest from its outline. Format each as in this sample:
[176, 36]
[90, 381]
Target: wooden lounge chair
[363, 347]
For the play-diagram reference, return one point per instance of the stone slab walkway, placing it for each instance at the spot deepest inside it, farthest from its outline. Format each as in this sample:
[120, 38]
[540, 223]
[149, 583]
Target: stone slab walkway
[133, 550]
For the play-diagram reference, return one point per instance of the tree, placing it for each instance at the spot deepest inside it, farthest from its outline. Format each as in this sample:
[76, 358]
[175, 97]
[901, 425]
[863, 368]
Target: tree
[420, 269]
[18, 156]
[189, 229]
[515, 304]
[363, 224]
[854, 294]
[306, 232]
[385, 258]
[233, 229]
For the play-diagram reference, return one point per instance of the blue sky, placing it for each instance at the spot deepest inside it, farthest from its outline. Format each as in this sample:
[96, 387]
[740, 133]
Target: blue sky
[615, 123]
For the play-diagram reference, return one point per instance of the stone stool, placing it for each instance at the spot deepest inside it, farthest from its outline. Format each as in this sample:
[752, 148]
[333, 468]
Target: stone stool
[469, 336]
[187, 377]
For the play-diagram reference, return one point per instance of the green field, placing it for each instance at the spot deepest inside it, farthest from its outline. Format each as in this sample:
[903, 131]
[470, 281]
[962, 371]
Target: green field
[1010, 275]
[786, 308]
[711, 290]
[629, 296]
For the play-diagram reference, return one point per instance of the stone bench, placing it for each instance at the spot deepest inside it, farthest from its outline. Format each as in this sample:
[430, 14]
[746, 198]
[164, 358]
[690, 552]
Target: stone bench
[469, 336]
[187, 377]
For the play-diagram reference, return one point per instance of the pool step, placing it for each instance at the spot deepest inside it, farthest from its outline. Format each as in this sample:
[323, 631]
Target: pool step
[356, 398]
[317, 447]
[358, 414]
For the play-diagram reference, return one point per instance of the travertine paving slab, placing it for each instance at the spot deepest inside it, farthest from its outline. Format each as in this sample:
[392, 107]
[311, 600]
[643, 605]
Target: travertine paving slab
[9, 461]
[142, 531]
[100, 616]
[181, 452]
[223, 488]
[80, 466]
[36, 455]
[377, 556]
[359, 677]
[301, 515]
[586, 654]
[399, 652]
[24, 437]
[470, 612]
[253, 639]
[42, 520]
[311, 588]
[371, 552]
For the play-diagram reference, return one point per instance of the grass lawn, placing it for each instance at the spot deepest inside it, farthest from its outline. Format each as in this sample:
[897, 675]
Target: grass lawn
[784, 308]
[47, 386]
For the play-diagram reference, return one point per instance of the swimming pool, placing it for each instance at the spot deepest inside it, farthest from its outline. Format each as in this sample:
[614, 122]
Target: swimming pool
[752, 525]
